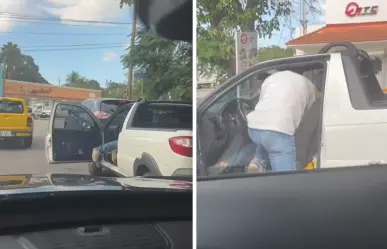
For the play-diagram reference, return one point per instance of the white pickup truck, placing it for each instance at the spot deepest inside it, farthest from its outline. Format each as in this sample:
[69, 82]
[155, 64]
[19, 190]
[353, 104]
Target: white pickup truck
[347, 126]
[154, 137]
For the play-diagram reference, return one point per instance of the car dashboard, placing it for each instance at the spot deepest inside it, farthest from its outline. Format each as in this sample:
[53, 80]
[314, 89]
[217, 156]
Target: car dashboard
[141, 235]
[134, 218]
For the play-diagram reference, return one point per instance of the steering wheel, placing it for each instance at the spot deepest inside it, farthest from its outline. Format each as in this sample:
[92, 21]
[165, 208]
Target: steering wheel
[242, 106]
[245, 107]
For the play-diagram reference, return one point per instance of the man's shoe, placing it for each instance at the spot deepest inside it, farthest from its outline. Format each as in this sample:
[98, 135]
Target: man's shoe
[252, 168]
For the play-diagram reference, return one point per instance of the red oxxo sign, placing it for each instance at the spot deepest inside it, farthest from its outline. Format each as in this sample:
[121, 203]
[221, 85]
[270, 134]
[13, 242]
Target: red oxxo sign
[353, 9]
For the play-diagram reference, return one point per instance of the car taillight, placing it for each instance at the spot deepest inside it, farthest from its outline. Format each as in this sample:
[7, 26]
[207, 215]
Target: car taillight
[29, 122]
[101, 115]
[181, 145]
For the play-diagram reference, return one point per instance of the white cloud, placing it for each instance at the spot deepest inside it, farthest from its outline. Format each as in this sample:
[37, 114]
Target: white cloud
[95, 10]
[109, 56]
[11, 6]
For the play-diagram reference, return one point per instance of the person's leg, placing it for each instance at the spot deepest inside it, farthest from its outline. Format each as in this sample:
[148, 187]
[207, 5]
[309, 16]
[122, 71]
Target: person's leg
[281, 150]
[100, 151]
[260, 160]
[109, 147]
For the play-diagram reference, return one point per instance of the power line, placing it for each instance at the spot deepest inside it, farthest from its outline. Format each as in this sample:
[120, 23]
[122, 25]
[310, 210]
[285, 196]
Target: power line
[17, 16]
[75, 34]
[67, 24]
[72, 45]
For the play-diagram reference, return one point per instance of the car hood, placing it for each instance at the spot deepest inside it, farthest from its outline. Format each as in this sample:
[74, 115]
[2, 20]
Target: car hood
[16, 184]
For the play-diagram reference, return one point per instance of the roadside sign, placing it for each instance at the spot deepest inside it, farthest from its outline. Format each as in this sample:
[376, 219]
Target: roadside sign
[139, 75]
[246, 50]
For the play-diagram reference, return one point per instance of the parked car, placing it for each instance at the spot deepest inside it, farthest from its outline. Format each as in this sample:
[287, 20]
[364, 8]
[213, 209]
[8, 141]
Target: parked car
[29, 110]
[45, 113]
[351, 95]
[16, 123]
[154, 138]
[105, 107]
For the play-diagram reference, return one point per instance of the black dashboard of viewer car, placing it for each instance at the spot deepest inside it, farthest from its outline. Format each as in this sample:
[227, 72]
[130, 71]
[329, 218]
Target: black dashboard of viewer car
[97, 219]
[336, 208]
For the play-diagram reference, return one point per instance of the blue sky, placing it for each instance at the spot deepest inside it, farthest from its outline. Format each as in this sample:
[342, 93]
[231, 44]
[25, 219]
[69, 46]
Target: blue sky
[100, 64]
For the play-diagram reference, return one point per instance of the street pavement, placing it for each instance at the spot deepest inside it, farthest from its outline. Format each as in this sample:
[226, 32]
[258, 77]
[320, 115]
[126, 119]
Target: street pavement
[15, 160]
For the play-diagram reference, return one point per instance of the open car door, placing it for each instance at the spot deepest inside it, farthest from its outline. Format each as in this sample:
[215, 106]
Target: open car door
[72, 134]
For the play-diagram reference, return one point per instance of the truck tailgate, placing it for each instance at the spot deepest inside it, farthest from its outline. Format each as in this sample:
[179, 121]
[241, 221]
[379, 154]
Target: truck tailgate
[12, 121]
[13, 115]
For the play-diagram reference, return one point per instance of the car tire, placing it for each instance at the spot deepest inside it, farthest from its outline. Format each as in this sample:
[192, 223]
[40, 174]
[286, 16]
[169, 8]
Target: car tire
[27, 142]
[94, 170]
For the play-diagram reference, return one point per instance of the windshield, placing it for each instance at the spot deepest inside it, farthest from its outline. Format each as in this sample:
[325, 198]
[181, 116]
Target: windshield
[110, 106]
[75, 64]
[7, 106]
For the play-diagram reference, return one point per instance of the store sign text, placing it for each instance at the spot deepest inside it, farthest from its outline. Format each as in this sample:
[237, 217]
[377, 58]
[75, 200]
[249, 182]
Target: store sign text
[34, 91]
[353, 9]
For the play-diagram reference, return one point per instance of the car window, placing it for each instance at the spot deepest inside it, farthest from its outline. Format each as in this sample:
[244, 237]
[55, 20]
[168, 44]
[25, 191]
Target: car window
[111, 106]
[73, 118]
[119, 117]
[91, 105]
[7, 106]
[29, 109]
[165, 116]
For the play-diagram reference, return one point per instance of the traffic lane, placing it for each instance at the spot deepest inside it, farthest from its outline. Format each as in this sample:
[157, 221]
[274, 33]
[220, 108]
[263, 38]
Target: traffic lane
[33, 160]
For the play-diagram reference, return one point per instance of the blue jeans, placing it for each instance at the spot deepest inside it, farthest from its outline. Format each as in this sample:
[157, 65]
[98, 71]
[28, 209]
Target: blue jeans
[108, 147]
[274, 147]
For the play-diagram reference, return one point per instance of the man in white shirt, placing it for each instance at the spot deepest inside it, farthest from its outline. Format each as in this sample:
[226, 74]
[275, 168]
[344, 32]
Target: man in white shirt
[284, 98]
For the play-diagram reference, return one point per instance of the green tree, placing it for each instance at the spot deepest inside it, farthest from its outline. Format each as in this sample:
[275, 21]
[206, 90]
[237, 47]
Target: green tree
[114, 90]
[167, 65]
[274, 52]
[75, 79]
[217, 22]
[19, 66]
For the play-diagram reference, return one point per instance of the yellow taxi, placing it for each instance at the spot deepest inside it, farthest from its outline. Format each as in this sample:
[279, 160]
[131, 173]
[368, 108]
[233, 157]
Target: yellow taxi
[16, 124]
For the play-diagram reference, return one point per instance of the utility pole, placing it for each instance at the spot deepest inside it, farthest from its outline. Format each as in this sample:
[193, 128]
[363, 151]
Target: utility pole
[132, 41]
[304, 21]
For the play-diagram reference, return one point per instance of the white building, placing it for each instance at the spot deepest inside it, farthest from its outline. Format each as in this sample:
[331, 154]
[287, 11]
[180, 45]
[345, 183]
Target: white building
[362, 22]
